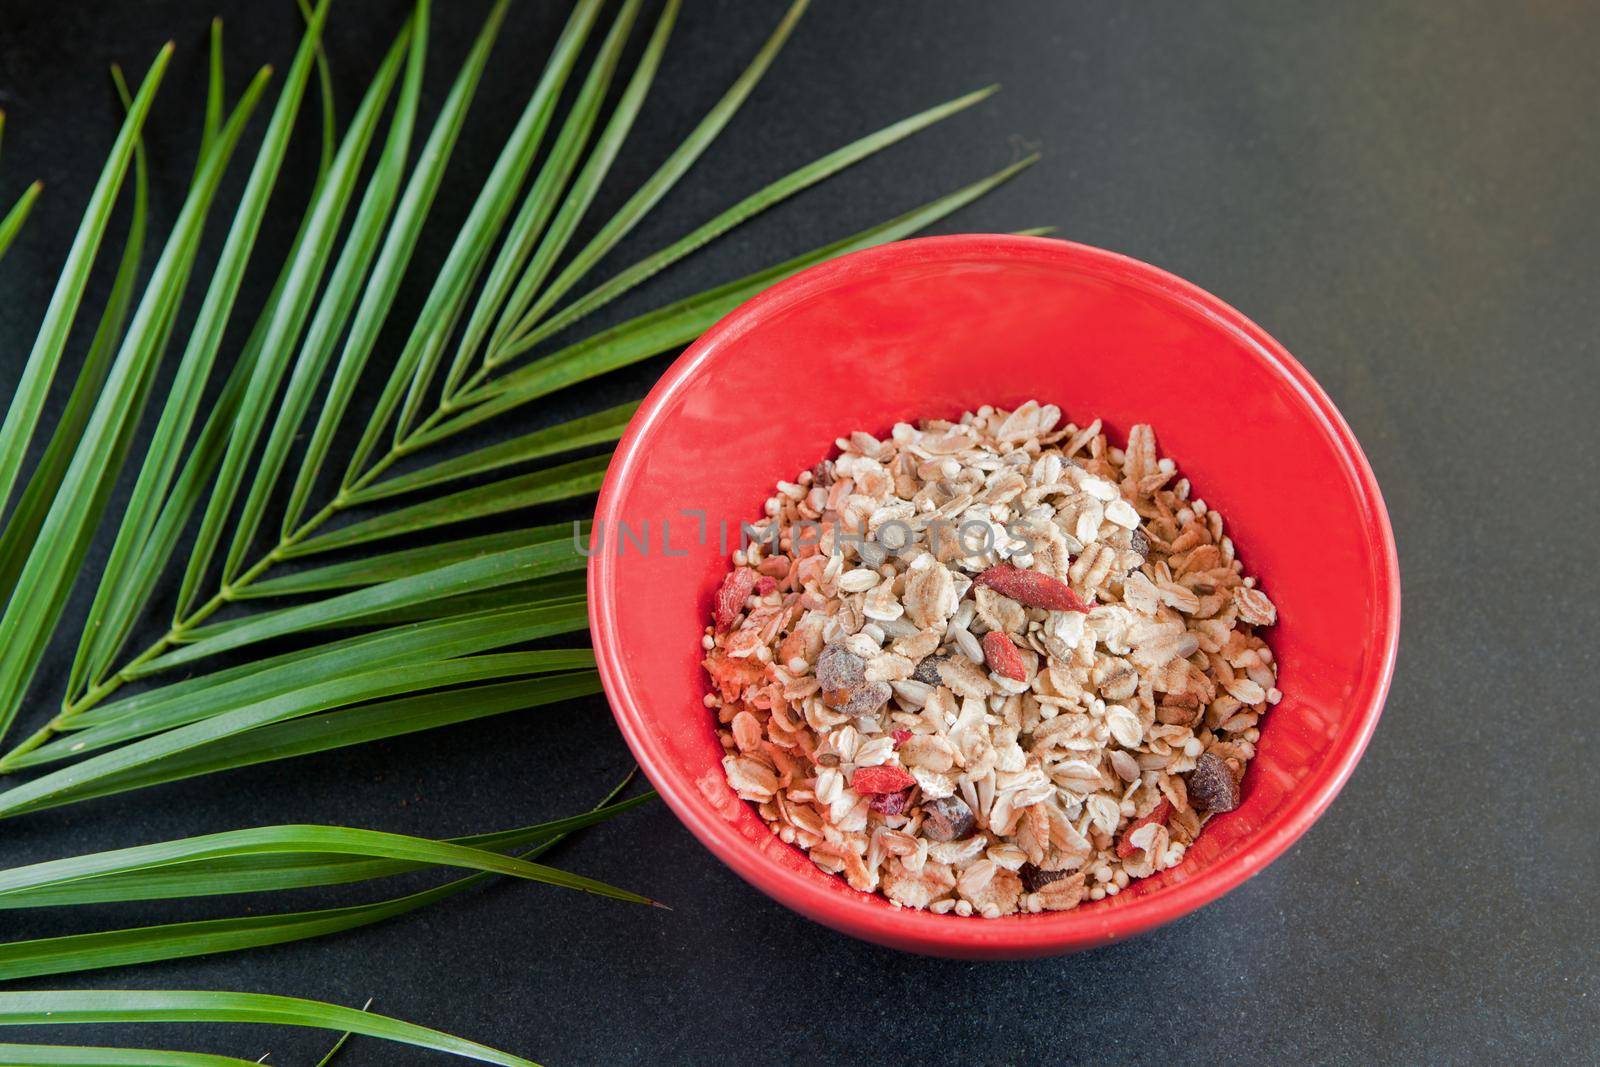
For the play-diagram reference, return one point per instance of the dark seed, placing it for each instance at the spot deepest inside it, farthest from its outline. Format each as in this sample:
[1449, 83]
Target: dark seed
[946, 819]
[927, 671]
[1140, 543]
[840, 673]
[872, 554]
[863, 699]
[1212, 786]
[1036, 878]
[837, 666]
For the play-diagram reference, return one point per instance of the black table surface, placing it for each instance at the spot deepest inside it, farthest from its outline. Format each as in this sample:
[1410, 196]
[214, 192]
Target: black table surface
[1403, 194]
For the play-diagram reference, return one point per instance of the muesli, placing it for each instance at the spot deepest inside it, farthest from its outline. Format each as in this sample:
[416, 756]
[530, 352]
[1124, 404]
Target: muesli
[990, 666]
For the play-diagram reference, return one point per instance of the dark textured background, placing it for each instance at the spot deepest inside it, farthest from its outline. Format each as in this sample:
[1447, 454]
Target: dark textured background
[1404, 194]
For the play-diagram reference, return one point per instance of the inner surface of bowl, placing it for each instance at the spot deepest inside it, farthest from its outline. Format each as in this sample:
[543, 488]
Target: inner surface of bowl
[929, 329]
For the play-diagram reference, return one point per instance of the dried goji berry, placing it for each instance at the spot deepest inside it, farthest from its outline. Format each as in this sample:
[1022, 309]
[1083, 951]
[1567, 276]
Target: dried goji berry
[885, 779]
[1159, 813]
[765, 584]
[1002, 656]
[1033, 588]
[731, 597]
[890, 803]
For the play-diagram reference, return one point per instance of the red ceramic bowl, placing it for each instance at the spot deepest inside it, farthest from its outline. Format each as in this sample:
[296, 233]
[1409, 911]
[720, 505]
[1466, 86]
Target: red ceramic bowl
[931, 328]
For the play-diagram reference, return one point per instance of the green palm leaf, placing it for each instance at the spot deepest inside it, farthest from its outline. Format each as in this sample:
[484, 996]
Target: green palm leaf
[11, 224]
[290, 314]
[579, 196]
[117, 599]
[370, 570]
[677, 324]
[240, 865]
[339, 1044]
[101, 775]
[527, 334]
[484, 572]
[654, 188]
[113, 948]
[578, 478]
[335, 729]
[67, 1007]
[380, 621]
[648, 335]
[94, 1056]
[564, 156]
[28, 397]
[400, 242]
[458, 636]
[29, 515]
[268, 676]
[42, 586]
[462, 266]
[407, 853]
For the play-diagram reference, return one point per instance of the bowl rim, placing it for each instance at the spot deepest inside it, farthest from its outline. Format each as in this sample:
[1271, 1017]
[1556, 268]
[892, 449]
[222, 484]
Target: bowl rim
[1033, 934]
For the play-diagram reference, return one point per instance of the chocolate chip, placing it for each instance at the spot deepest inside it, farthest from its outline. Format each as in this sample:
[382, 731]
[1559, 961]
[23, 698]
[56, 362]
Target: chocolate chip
[946, 819]
[1036, 878]
[1212, 786]
[927, 671]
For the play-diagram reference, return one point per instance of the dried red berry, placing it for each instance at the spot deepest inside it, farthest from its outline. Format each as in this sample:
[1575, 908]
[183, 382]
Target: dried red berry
[1160, 813]
[901, 736]
[1033, 588]
[731, 597]
[1212, 786]
[765, 584]
[884, 779]
[1002, 656]
[947, 819]
[890, 803]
